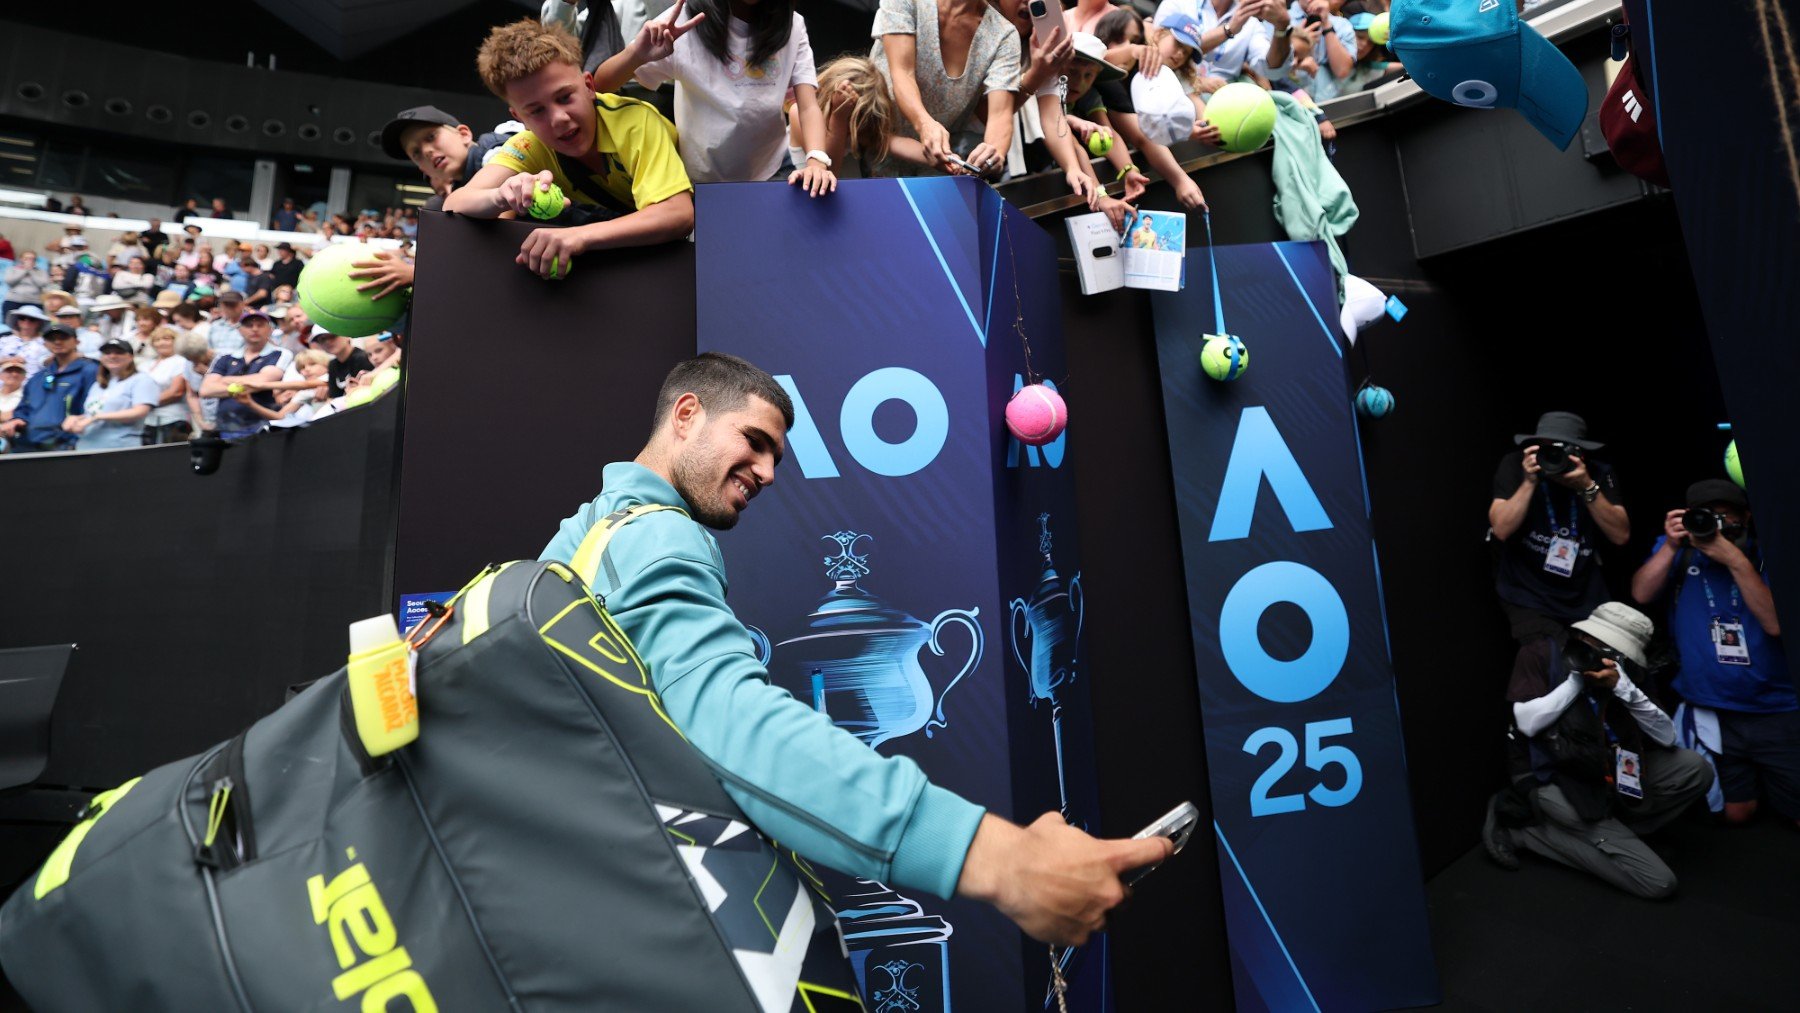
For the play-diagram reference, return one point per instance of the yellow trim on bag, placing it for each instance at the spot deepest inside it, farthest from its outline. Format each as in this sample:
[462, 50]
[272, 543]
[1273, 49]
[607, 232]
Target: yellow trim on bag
[475, 611]
[593, 545]
[56, 868]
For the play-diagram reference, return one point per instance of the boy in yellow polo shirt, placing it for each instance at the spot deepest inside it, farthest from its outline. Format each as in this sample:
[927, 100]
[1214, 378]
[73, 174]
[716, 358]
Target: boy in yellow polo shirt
[604, 151]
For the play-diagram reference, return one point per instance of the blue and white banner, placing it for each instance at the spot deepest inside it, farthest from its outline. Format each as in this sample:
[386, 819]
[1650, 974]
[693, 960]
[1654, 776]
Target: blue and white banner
[1325, 906]
[913, 573]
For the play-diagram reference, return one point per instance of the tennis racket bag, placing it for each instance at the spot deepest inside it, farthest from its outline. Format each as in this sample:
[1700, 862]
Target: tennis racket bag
[548, 842]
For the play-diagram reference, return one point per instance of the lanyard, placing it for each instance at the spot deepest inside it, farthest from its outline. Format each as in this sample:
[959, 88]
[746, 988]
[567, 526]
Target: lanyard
[1213, 261]
[1600, 713]
[1574, 528]
[1712, 603]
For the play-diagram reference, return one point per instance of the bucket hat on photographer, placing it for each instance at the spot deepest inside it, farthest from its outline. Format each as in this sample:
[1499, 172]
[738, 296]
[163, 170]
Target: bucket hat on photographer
[1559, 427]
[1620, 627]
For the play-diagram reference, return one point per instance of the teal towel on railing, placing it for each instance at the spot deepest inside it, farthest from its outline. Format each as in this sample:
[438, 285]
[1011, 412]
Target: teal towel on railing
[1311, 199]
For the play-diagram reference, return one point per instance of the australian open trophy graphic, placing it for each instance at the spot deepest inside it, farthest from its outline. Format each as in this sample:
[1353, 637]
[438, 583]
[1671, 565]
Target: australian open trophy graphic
[1050, 623]
[900, 954]
[858, 662]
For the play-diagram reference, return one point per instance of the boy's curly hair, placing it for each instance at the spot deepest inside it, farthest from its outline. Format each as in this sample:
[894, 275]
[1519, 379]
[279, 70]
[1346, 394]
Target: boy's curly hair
[521, 49]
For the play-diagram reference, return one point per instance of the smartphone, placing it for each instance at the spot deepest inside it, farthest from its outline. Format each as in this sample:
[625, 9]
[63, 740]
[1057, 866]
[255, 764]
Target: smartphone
[1177, 825]
[1046, 17]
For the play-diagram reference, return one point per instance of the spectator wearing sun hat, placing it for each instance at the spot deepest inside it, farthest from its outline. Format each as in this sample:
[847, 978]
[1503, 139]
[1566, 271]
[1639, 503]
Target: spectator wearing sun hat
[26, 342]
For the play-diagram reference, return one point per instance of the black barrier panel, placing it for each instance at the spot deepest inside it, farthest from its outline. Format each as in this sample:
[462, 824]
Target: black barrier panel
[195, 601]
[521, 389]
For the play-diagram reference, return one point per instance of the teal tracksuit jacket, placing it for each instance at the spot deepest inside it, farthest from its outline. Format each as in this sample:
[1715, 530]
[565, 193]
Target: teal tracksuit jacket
[805, 782]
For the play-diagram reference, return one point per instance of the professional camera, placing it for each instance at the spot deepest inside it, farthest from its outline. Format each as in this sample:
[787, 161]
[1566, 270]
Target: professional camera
[1582, 656]
[1702, 523]
[1556, 458]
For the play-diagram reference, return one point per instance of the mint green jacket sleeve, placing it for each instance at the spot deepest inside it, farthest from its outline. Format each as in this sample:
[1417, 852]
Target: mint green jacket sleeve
[801, 779]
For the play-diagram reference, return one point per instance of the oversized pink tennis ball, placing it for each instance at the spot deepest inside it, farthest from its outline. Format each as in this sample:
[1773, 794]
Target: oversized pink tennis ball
[1036, 415]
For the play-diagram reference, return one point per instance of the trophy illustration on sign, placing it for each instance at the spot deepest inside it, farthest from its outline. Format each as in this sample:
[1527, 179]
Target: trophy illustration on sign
[859, 660]
[1049, 623]
[900, 954]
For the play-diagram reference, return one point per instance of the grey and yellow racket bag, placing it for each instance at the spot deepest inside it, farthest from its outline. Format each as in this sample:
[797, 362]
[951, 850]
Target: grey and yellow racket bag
[548, 842]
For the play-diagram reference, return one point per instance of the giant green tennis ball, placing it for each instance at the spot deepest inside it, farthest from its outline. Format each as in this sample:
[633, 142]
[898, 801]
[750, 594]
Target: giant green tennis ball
[1099, 143]
[546, 201]
[1224, 356]
[1244, 114]
[1378, 30]
[1733, 466]
[328, 294]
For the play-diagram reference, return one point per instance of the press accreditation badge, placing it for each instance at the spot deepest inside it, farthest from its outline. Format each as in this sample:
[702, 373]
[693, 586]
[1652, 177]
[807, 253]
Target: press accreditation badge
[1627, 775]
[1728, 642]
[1560, 558]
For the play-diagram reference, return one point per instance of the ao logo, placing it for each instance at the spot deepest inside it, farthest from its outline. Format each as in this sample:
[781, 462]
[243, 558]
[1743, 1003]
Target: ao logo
[1475, 94]
[1258, 452]
[856, 425]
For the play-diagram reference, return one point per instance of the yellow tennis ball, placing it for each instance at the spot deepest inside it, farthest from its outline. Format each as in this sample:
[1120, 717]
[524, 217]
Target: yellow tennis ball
[1099, 143]
[1244, 114]
[546, 201]
[1734, 465]
[328, 294]
[1378, 30]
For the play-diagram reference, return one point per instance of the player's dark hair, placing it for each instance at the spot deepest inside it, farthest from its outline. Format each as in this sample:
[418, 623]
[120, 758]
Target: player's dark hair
[723, 383]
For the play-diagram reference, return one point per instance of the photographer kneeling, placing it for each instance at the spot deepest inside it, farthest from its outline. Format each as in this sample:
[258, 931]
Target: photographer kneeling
[1593, 759]
[1722, 620]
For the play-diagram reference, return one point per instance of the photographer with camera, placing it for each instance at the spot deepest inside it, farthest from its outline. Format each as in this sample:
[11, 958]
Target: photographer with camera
[1722, 620]
[1550, 498]
[1593, 760]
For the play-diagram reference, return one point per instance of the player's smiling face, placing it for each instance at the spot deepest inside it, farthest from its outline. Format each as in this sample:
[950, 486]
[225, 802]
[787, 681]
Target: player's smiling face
[557, 104]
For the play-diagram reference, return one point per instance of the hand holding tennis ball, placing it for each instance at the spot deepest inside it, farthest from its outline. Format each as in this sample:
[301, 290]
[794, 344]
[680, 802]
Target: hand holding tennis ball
[1099, 143]
[547, 201]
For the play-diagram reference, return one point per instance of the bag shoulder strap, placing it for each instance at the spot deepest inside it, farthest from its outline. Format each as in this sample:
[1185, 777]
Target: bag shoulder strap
[591, 556]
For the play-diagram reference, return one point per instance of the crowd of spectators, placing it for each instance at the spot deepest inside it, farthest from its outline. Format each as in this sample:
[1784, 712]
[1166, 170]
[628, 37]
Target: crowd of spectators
[946, 87]
[112, 348]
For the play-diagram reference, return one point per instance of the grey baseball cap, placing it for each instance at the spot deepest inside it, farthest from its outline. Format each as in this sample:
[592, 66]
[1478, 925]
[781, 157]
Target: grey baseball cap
[390, 134]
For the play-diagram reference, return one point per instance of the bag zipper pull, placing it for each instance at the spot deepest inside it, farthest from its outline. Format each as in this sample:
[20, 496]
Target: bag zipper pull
[215, 810]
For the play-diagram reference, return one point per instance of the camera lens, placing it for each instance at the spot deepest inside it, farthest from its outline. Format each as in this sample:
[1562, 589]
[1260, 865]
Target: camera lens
[1581, 656]
[1553, 458]
[1700, 523]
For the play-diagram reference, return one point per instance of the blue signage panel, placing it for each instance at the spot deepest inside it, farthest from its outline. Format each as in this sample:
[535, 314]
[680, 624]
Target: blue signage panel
[1325, 905]
[909, 574]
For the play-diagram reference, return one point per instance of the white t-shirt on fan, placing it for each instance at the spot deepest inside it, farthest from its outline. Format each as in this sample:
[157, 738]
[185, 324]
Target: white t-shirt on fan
[729, 115]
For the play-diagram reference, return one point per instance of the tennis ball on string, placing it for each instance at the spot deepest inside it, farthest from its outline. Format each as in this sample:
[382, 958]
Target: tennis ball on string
[1244, 114]
[1036, 415]
[328, 294]
[1099, 142]
[1224, 356]
[1734, 467]
[547, 201]
[1374, 402]
[1378, 30]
